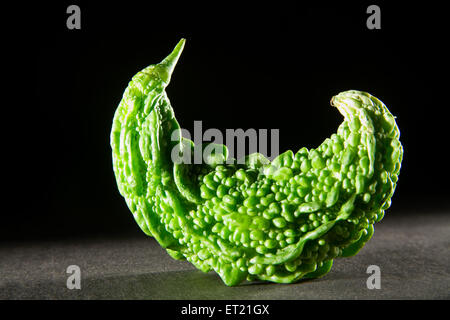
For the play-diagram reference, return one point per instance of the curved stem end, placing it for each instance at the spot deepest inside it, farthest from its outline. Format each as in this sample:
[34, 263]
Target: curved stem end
[167, 66]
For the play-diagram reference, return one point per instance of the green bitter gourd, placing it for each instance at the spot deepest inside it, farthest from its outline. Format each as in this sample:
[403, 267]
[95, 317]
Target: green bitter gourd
[278, 221]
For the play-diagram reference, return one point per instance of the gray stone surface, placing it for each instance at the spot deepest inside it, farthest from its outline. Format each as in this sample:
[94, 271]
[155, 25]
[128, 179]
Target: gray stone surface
[412, 252]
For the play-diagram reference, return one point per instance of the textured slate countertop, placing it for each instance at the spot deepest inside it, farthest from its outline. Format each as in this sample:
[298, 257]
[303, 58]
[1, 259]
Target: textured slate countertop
[412, 252]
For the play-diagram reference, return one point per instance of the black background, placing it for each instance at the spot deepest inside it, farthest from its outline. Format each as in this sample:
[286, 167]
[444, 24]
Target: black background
[256, 66]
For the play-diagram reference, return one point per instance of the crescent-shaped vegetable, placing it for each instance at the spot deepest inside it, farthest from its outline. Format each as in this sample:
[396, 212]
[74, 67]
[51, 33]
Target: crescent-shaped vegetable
[278, 221]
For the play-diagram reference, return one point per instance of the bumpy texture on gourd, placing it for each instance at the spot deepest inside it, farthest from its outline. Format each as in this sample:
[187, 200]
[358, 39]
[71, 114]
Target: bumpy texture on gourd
[280, 221]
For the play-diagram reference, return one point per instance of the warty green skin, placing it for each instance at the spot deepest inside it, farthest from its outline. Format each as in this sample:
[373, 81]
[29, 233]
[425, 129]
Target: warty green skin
[278, 221]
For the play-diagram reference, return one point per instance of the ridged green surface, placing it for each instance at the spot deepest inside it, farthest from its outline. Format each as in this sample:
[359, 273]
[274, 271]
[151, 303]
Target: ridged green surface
[280, 221]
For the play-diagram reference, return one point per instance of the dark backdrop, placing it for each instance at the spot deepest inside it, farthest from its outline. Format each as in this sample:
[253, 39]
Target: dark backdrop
[272, 66]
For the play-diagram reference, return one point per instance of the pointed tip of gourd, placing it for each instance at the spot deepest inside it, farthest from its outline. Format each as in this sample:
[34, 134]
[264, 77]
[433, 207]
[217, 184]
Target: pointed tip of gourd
[167, 66]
